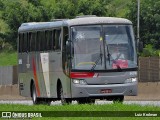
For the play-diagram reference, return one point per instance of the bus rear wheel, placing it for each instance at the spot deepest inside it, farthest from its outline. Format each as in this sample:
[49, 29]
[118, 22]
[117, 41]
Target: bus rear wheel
[86, 101]
[34, 95]
[61, 96]
[45, 101]
[36, 100]
[118, 99]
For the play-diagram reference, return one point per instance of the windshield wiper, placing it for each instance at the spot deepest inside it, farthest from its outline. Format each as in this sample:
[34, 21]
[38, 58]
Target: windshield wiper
[97, 60]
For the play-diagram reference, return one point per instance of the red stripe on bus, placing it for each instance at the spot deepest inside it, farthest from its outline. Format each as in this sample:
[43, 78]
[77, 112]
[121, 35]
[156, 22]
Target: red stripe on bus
[35, 77]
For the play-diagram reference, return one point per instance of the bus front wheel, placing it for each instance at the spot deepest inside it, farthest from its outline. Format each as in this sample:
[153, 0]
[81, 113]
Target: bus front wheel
[61, 96]
[86, 101]
[118, 99]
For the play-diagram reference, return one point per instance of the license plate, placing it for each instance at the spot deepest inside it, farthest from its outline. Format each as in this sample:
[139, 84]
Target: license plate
[106, 91]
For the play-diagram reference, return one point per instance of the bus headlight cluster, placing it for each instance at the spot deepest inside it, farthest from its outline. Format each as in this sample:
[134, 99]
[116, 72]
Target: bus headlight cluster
[131, 80]
[79, 81]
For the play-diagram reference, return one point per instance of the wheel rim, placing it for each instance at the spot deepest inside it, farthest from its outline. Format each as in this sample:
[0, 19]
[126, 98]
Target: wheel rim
[34, 94]
[61, 95]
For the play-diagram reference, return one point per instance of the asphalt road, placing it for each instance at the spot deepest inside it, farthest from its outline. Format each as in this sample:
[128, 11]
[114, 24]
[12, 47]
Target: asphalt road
[29, 102]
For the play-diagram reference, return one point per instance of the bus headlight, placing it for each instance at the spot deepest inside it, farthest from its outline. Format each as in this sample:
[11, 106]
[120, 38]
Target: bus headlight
[131, 80]
[79, 81]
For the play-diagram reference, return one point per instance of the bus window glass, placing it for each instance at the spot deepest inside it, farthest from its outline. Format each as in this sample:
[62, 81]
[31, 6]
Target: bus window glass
[114, 49]
[57, 39]
[20, 42]
[53, 40]
[88, 47]
[38, 41]
[25, 45]
[48, 35]
[119, 40]
[42, 42]
[33, 41]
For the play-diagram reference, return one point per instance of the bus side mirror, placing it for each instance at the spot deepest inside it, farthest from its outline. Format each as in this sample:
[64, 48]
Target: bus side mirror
[140, 47]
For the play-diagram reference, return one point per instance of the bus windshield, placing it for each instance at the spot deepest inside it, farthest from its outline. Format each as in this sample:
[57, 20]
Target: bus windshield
[103, 47]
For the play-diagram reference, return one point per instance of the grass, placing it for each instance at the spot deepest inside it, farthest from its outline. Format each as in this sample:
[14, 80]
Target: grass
[76, 107]
[62, 110]
[8, 58]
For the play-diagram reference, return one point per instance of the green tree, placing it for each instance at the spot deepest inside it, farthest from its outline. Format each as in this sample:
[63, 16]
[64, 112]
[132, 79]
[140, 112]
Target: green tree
[35, 2]
[16, 12]
[72, 8]
[149, 21]
[90, 7]
[64, 9]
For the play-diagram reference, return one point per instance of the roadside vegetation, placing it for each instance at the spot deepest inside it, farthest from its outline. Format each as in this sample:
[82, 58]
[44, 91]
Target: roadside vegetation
[8, 58]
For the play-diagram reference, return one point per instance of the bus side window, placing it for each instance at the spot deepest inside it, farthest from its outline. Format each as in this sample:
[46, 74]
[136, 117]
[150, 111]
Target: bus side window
[43, 41]
[58, 39]
[46, 40]
[38, 41]
[53, 40]
[50, 40]
[25, 45]
[20, 42]
[48, 35]
[28, 42]
[33, 41]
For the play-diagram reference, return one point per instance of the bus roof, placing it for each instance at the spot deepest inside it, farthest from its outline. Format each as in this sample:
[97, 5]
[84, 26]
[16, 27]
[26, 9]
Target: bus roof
[98, 20]
[72, 22]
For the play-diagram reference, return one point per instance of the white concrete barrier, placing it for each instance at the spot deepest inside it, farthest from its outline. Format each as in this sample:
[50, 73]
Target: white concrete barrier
[8, 75]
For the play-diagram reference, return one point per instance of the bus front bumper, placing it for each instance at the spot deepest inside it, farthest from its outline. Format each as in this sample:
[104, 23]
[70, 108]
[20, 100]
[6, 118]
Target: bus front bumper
[101, 91]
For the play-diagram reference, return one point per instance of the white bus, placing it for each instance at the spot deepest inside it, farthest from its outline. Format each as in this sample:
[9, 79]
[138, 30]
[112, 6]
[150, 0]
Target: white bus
[81, 59]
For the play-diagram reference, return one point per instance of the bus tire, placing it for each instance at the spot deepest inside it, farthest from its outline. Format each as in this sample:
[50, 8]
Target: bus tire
[37, 101]
[61, 96]
[45, 102]
[86, 101]
[34, 95]
[118, 99]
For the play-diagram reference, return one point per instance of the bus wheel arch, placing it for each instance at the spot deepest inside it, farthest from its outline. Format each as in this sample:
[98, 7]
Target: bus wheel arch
[60, 94]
